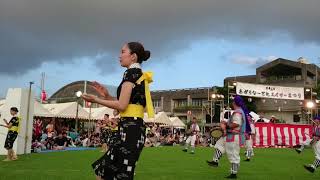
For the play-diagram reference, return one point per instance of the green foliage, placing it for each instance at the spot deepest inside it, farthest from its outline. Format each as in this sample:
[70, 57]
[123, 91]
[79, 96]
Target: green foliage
[250, 105]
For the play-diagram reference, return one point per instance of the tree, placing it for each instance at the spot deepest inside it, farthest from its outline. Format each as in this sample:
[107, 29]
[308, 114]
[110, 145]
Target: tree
[250, 105]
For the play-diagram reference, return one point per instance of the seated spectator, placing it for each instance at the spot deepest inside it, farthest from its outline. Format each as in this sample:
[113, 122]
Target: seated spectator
[37, 146]
[273, 119]
[85, 141]
[260, 119]
[69, 140]
[74, 135]
[148, 142]
[169, 140]
[44, 137]
[60, 142]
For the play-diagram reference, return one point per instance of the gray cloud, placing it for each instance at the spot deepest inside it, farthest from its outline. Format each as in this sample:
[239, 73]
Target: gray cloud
[250, 61]
[37, 31]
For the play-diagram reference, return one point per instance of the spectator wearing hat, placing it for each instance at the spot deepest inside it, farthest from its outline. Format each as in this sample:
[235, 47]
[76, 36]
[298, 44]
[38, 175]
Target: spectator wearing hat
[273, 119]
[260, 119]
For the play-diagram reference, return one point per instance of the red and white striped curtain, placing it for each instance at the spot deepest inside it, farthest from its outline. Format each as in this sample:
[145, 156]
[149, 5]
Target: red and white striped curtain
[289, 135]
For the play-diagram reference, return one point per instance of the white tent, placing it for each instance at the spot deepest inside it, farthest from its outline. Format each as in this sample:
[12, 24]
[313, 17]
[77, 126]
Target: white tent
[1, 107]
[67, 110]
[98, 113]
[2, 101]
[160, 117]
[177, 123]
[146, 119]
[256, 116]
[41, 111]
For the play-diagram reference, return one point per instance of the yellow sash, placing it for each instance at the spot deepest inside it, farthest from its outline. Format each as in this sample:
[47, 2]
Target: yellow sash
[115, 129]
[133, 110]
[147, 78]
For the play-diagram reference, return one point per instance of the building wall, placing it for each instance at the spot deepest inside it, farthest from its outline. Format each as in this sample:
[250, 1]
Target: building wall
[302, 75]
[193, 100]
[286, 116]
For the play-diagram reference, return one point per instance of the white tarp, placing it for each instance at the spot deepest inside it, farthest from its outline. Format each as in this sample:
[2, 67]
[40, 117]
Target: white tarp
[256, 117]
[98, 113]
[67, 110]
[177, 123]
[266, 91]
[41, 111]
[2, 101]
[160, 117]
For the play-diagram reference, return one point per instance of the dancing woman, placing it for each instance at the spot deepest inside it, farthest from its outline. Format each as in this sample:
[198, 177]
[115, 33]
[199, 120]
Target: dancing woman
[133, 96]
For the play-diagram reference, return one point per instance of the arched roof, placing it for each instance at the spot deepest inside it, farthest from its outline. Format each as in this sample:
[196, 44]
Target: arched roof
[67, 92]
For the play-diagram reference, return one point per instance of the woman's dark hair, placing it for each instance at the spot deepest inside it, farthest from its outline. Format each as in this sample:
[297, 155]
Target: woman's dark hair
[14, 109]
[138, 49]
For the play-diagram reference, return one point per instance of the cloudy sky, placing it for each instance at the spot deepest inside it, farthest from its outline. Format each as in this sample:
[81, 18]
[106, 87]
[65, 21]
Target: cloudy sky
[194, 43]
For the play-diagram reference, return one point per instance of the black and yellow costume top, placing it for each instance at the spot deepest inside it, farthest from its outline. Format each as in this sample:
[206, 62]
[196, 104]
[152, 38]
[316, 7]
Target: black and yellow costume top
[15, 124]
[120, 160]
[138, 92]
[12, 132]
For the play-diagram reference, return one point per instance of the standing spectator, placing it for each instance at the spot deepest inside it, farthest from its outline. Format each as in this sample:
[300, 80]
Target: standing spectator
[37, 128]
[50, 127]
[97, 129]
[105, 133]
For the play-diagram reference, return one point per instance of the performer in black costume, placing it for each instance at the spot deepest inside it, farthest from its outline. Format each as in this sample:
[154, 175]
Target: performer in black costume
[133, 96]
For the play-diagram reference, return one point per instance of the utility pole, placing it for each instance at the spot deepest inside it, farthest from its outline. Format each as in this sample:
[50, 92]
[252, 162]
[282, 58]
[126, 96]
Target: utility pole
[27, 120]
[42, 85]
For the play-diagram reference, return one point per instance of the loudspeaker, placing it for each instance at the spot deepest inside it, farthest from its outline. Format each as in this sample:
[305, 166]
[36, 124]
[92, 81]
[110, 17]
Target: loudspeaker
[217, 113]
[208, 118]
[296, 118]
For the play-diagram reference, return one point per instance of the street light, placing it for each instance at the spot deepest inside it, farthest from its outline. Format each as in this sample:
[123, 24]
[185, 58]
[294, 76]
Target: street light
[217, 96]
[78, 95]
[310, 104]
[234, 84]
[310, 90]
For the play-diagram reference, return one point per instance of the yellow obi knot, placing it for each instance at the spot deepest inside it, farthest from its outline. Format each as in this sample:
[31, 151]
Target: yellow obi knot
[14, 128]
[114, 129]
[133, 110]
[147, 78]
